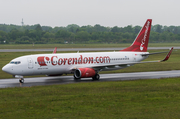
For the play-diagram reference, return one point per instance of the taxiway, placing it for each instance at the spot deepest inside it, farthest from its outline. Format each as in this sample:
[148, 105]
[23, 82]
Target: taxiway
[5, 83]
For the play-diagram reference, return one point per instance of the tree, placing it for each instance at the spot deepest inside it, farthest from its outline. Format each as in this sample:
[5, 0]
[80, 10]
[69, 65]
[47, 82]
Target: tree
[99, 28]
[128, 29]
[24, 40]
[48, 35]
[175, 30]
[95, 35]
[137, 29]
[115, 29]
[158, 28]
[72, 28]
[38, 28]
[62, 34]
[14, 34]
[82, 36]
[3, 37]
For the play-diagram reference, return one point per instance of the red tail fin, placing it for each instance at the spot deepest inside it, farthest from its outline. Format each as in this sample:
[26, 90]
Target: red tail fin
[140, 44]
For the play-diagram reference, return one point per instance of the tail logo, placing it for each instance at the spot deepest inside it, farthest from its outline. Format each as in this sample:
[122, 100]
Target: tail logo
[144, 38]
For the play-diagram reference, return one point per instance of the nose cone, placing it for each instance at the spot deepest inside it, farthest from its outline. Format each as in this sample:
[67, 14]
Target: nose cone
[6, 68]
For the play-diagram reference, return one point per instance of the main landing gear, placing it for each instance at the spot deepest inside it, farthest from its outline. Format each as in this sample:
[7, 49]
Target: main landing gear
[95, 77]
[21, 80]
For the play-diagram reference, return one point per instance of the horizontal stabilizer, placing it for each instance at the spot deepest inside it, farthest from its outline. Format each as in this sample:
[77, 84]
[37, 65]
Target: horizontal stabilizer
[154, 53]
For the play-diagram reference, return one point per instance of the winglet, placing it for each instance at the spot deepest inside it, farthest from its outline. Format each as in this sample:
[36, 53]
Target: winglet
[168, 55]
[55, 49]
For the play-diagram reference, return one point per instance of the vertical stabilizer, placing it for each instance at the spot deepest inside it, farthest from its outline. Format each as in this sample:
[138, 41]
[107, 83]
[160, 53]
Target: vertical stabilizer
[140, 44]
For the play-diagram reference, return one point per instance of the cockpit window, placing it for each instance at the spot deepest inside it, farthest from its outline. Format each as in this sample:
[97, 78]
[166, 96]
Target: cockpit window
[15, 62]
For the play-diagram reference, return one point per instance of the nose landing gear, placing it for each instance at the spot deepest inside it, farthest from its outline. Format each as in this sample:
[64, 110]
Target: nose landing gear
[21, 80]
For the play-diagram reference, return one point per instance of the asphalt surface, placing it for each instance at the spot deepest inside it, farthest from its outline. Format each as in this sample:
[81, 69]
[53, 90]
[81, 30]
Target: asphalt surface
[5, 83]
[79, 49]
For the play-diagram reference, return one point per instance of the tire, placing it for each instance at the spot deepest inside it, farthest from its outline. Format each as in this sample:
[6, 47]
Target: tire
[96, 77]
[21, 80]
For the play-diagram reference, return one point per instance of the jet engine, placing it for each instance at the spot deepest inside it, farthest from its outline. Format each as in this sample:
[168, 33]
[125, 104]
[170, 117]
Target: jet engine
[84, 73]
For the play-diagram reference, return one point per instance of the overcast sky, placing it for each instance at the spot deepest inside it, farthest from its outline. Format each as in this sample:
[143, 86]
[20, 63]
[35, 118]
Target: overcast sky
[90, 12]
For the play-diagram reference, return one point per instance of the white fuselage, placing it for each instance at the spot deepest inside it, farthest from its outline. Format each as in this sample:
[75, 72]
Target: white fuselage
[56, 64]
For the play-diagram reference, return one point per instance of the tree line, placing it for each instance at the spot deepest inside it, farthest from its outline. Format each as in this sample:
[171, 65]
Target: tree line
[73, 33]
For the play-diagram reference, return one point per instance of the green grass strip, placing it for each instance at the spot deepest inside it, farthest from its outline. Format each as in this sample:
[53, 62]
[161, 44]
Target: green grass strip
[153, 98]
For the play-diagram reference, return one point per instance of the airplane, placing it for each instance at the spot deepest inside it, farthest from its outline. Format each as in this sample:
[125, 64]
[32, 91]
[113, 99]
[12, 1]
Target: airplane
[83, 65]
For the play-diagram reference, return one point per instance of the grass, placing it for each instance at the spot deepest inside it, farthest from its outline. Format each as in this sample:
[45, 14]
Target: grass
[42, 46]
[171, 64]
[153, 98]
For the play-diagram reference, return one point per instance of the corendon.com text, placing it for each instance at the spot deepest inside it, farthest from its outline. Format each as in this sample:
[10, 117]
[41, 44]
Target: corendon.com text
[81, 60]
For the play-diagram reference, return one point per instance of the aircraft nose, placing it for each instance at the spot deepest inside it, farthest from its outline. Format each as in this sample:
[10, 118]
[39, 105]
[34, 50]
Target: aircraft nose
[6, 68]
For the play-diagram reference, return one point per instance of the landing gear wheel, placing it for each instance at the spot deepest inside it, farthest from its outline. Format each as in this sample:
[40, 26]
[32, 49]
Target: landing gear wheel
[96, 77]
[21, 80]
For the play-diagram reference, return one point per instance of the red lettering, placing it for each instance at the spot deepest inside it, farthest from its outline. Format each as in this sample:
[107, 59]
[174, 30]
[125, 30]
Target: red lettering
[52, 61]
[65, 60]
[90, 60]
[69, 61]
[80, 60]
[74, 60]
[106, 58]
[101, 59]
[85, 60]
[60, 61]
[97, 60]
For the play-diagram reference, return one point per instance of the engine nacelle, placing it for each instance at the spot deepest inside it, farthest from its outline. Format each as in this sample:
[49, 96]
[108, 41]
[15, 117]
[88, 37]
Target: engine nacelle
[84, 73]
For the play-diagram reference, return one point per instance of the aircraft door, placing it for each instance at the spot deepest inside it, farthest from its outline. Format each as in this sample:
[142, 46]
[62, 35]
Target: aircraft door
[30, 63]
